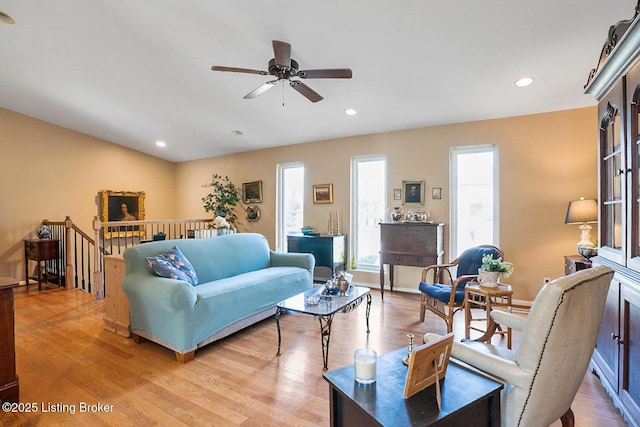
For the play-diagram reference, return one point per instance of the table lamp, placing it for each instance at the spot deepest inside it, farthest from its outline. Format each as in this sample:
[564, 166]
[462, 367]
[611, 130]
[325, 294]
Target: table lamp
[581, 212]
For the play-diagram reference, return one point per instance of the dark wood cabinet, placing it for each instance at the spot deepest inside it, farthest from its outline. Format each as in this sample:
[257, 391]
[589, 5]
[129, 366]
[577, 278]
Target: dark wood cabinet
[329, 251]
[615, 83]
[9, 387]
[573, 263]
[416, 244]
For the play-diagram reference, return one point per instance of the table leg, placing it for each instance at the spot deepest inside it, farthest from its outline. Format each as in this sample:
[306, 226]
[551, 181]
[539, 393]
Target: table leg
[382, 281]
[40, 274]
[278, 312]
[325, 335]
[368, 310]
[467, 316]
[26, 269]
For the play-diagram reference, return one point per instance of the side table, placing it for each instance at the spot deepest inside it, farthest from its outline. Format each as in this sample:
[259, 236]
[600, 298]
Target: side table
[468, 398]
[39, 251]
[9, 387]
[477, 296]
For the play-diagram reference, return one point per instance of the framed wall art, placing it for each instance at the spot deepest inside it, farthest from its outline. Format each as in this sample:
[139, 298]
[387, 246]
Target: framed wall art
[413, 193]
[323, 193]
[122, 206]
[436, 193]
[252, 213]
[252, 192]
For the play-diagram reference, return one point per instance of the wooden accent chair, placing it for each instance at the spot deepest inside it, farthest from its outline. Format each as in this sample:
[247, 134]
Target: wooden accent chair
[444, 296]
[543, 374]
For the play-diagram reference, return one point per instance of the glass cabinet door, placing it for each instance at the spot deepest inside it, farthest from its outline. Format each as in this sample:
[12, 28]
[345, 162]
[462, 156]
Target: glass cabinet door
[633, 171]
[612, 158]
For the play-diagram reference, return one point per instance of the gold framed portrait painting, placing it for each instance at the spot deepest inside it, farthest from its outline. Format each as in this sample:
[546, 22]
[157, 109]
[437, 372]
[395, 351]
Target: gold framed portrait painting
[122, 206]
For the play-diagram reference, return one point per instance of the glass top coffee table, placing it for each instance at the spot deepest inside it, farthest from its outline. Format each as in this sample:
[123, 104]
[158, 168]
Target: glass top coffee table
[327, 306]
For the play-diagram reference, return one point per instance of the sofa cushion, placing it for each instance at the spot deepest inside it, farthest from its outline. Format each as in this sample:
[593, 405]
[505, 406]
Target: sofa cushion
[173, 265]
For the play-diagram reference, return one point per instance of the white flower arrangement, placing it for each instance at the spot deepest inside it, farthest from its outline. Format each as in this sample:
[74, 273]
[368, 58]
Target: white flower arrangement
[220, 222]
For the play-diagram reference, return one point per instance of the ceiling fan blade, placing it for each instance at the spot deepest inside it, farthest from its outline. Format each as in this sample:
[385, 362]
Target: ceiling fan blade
[239, 70]
[6, 18]
[305, 90]
[282, 52]
[261, 89]
[329, 73]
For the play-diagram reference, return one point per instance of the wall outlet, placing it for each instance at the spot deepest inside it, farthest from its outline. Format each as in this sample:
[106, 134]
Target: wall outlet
[546, 280]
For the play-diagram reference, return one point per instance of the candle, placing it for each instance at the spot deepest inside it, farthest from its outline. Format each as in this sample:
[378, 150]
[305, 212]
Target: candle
[364, 360]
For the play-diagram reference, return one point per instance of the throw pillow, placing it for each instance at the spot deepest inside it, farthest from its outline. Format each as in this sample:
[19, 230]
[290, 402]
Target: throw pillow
[173, 265]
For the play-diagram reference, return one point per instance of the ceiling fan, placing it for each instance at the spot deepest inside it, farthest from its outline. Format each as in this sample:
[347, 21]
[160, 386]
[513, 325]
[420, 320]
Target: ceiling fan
[284, 68]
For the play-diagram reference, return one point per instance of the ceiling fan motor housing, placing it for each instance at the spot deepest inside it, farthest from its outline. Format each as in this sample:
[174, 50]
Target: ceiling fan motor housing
[282, 72]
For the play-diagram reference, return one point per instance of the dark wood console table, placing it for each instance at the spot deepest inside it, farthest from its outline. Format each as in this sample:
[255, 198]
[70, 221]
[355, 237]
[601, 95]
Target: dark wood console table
[416, 244]
[468, 398]
[42, 250]
[329, 251]
[9, 388]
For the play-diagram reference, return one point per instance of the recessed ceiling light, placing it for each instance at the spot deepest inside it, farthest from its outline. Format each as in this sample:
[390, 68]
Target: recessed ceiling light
[350, 111]
[524, 82]
[161, 143]
[237, 132]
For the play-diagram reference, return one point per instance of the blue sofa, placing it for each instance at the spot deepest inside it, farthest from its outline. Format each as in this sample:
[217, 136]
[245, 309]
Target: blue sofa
[240, 280]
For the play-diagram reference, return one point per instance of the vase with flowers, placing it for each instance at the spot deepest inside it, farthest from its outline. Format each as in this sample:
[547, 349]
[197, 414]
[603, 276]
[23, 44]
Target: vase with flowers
[492, 269]
[220, 225]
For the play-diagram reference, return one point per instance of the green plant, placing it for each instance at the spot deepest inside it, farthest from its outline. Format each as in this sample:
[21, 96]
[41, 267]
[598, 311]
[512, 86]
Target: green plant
[223, 199]
[496, 265]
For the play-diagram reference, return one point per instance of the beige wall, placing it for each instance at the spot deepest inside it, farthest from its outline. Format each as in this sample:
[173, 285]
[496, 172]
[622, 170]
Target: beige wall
[49, 172]
[545, 161]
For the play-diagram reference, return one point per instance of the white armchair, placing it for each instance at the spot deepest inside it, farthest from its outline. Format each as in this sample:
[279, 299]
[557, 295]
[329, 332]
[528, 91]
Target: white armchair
[543, 374]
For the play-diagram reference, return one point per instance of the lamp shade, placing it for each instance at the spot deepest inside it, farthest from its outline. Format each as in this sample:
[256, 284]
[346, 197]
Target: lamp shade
[581, 211]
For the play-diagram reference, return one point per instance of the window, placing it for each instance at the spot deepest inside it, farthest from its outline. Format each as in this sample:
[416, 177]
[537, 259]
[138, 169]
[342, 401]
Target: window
[474, 197]
[368, 187]
[290, 202]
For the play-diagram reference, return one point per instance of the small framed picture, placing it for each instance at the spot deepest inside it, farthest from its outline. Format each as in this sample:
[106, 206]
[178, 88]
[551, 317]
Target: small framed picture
[323, 193]
[397, 194]
[413, 193]
[252, 192]
[428, 365]
[436, 193]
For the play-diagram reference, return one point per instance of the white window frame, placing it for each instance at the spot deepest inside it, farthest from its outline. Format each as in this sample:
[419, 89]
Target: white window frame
[453, 184]
[353, 238]
[281, 238]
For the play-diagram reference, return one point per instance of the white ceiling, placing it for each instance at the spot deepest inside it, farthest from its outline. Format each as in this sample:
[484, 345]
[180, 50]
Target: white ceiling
[136, 71]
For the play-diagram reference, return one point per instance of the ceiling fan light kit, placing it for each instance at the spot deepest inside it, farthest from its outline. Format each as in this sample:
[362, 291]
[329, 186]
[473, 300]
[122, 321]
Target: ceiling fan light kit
[284, 68]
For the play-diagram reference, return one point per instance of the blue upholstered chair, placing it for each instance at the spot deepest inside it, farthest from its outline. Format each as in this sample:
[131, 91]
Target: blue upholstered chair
[444, 295]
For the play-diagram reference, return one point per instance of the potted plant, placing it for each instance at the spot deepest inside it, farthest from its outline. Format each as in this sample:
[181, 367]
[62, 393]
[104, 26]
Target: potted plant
[491, 269]
[223, 199]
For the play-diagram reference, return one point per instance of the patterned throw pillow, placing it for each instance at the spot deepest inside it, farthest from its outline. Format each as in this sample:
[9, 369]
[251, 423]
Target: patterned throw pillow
[173, 265]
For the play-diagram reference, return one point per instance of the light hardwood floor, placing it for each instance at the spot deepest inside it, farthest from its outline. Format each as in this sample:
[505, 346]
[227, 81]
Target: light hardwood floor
[65, 357]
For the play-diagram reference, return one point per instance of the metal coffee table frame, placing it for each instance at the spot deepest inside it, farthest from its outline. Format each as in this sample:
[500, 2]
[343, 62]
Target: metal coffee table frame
[324, 311]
